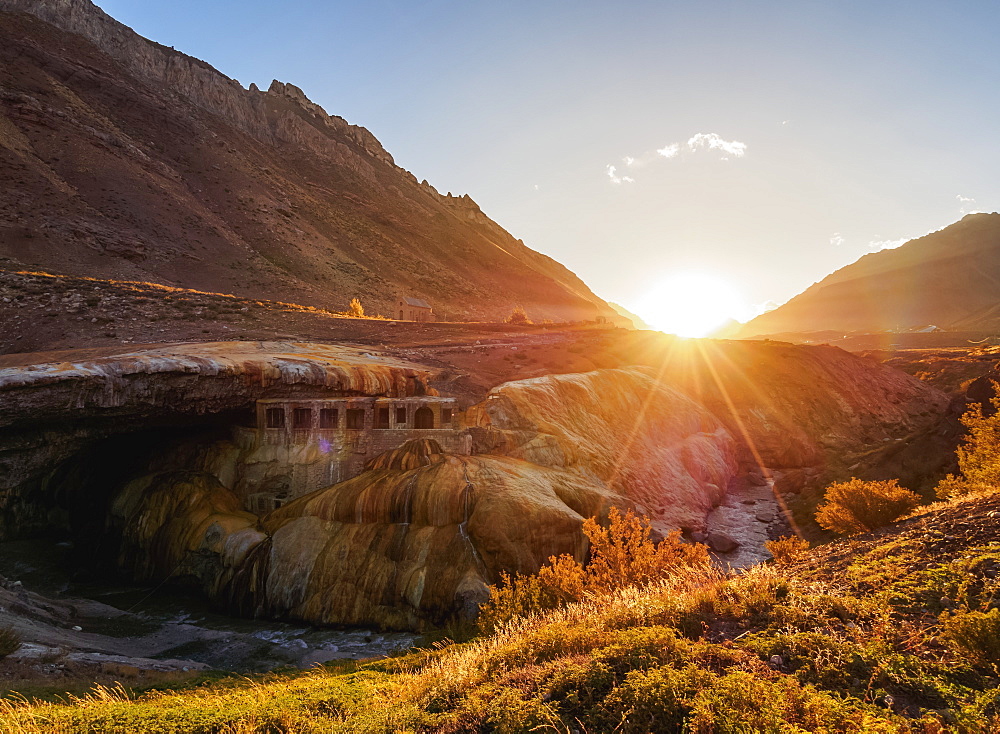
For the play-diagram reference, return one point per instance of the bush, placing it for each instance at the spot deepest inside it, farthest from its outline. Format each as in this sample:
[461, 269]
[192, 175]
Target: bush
[978, 457]
[951, 487]
[621, 555]
[10, 641]
[787, 550]
[356, 309]
[974, 633]
[858, 506]
[517, 316]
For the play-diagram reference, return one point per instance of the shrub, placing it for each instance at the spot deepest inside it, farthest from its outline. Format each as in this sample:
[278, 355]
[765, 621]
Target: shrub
[356, 309]
[978, 457]
[10, 641]
[621, 555]
[974, 633]
[517, 316]
[858, 506]
[787, 550]
[952, 486]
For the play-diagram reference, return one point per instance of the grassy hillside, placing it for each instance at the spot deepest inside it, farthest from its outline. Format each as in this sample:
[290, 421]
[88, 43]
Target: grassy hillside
[896, 631]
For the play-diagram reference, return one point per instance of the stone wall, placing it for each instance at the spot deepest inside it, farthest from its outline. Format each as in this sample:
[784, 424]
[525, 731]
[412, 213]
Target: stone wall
[273, 464]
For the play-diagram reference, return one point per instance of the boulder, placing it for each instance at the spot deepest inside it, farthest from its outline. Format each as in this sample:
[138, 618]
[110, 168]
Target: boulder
[722, 542]
[792, 481]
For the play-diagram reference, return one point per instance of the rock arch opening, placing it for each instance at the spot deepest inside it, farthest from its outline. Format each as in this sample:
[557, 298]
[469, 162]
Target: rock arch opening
[72, 502]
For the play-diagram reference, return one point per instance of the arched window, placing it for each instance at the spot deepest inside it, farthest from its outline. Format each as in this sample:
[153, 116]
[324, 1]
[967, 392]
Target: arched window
[423, 418]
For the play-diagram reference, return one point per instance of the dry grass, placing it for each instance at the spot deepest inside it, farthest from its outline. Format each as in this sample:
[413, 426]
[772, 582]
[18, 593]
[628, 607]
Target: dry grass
[777, 648]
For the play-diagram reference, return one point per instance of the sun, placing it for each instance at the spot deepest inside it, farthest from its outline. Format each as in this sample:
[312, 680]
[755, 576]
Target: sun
[690, 304]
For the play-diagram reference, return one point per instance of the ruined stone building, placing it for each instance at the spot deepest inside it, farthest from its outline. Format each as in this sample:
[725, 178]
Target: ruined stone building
[300, 445]
[414, 309]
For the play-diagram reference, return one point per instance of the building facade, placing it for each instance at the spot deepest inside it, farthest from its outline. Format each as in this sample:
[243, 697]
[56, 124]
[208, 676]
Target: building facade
[301, 445]
[414, 309]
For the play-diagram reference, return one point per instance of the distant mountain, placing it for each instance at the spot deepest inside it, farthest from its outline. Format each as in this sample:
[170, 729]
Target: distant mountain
[949, 279]
[122, 158]
[637, 321]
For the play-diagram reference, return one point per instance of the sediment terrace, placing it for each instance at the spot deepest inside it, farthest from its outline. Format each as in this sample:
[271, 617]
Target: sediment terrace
[145, 450]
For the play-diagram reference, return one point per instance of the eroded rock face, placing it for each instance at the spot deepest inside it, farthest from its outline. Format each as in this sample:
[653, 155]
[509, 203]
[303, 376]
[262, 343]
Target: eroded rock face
[417, 537]
[56, 407]
[420, 534]
[792, 406]
[640, 438]
[399, 547]
[179, 523]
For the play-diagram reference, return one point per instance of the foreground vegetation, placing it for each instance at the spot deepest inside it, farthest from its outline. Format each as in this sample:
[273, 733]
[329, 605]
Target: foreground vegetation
[898, 633]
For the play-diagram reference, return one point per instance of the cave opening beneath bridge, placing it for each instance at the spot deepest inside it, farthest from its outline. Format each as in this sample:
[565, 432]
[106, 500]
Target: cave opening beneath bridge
[70, 505]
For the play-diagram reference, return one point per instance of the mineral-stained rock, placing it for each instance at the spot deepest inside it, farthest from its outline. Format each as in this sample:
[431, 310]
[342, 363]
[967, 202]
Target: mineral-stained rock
[395, 547]
[172, 522]
[643, 439]
[55, 406]
[420, 534]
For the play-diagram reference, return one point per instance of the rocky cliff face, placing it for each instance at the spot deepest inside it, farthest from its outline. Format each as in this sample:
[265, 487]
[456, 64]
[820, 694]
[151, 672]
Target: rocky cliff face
[51, 410]
[122, 158]
[420, 534]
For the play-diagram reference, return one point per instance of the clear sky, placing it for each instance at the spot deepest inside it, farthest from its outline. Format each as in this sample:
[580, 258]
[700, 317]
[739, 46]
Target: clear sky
[764, 144]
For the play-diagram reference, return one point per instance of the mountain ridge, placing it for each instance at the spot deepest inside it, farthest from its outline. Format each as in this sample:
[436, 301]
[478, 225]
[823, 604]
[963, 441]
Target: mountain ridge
[131, 160]
[948, 278]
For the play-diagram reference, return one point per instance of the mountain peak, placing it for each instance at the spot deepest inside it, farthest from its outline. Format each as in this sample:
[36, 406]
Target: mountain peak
[193, 181]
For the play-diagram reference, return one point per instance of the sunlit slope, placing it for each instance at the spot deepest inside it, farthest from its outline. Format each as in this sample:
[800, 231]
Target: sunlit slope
[949, 279]
[124, 159]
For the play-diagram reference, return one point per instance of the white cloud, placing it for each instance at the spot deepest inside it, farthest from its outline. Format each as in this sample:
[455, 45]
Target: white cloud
[713, 141]
[616, 179]
[536, 187]
[967, 205]
[836, 240]
[877, 245]
[669, 151]
[699, 141]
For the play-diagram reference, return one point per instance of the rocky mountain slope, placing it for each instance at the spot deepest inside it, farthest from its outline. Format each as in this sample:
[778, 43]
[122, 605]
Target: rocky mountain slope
[124, 159]
[946, 279]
